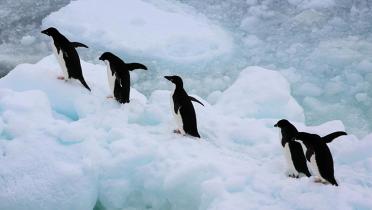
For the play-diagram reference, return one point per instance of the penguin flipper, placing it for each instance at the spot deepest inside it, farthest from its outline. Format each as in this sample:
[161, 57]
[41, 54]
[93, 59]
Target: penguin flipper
[309, 153]
[196, 100]
[330, 137]
[177, 107]
[133, 66]
[78, 44]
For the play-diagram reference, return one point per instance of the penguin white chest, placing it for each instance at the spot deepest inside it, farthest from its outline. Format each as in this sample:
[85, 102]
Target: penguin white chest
[291, 168]
[61, 60]
[111, 78]
[314, 166]
[177, 116]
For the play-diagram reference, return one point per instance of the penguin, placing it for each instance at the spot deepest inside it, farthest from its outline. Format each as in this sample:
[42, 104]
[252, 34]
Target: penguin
[67, 56]
[293, 151]
[321, 160]
[118, 75]
[327, 139]
[182, 108]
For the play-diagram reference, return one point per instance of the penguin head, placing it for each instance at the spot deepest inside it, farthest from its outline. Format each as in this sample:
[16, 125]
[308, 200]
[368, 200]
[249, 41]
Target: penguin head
[309, 139]
[282, 123]
[50, 31]
[106, 56]
[175, 80]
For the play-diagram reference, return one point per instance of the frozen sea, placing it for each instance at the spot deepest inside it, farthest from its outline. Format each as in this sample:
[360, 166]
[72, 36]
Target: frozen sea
[250, 62]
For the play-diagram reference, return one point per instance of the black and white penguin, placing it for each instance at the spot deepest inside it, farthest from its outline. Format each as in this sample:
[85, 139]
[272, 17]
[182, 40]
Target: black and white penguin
[67, 56]
[182, 108]
[293, 151]
[327, 139]
[321, 160]
[118, 75]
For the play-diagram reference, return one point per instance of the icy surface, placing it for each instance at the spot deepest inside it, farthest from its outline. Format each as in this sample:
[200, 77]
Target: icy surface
[62, 147]
[273, 101]
[20, 39]
[251, 62]
[161, 30]
[323, 47]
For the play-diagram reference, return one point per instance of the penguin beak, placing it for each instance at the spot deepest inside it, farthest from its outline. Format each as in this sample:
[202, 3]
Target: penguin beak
[276, 125]
[168, 78]
[100, 58]
[44, 32]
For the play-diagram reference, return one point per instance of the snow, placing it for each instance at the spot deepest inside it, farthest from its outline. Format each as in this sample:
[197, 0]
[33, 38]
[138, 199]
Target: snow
[326, 44]
[150, 29]
[250, 62]
[63, 147]
[273, 101]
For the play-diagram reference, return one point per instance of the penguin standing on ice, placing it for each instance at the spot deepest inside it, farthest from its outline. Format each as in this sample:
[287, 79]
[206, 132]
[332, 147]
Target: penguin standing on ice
[293, 151]
[182, 108]
[327, 139]
[321, 160]
[67, 56]
[118, 75]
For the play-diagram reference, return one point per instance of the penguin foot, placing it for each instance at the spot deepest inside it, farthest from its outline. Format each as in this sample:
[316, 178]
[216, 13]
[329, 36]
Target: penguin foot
[177, 131]
[294, 176]
[317, 180]
[324, 181]
[61, 77]
[109, 96]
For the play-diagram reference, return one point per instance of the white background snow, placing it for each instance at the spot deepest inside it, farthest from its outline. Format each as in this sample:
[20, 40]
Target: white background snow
[62, 147]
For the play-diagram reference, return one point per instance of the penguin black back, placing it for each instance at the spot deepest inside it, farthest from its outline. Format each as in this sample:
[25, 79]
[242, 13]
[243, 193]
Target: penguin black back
[120, 71]
[327, 139]
[70, 55]
[182, 104]
[323, 156]
[296, 156]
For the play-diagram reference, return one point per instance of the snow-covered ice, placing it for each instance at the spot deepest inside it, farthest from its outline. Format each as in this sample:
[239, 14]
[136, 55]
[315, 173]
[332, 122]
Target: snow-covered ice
[63, 147]
[322, 47]
[151, 29]
[250, 62]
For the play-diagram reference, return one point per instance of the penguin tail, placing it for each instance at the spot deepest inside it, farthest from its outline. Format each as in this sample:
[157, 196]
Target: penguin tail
[196, 135]
[193, 133]
[330, 137]
[333, 181]
[85, 84]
